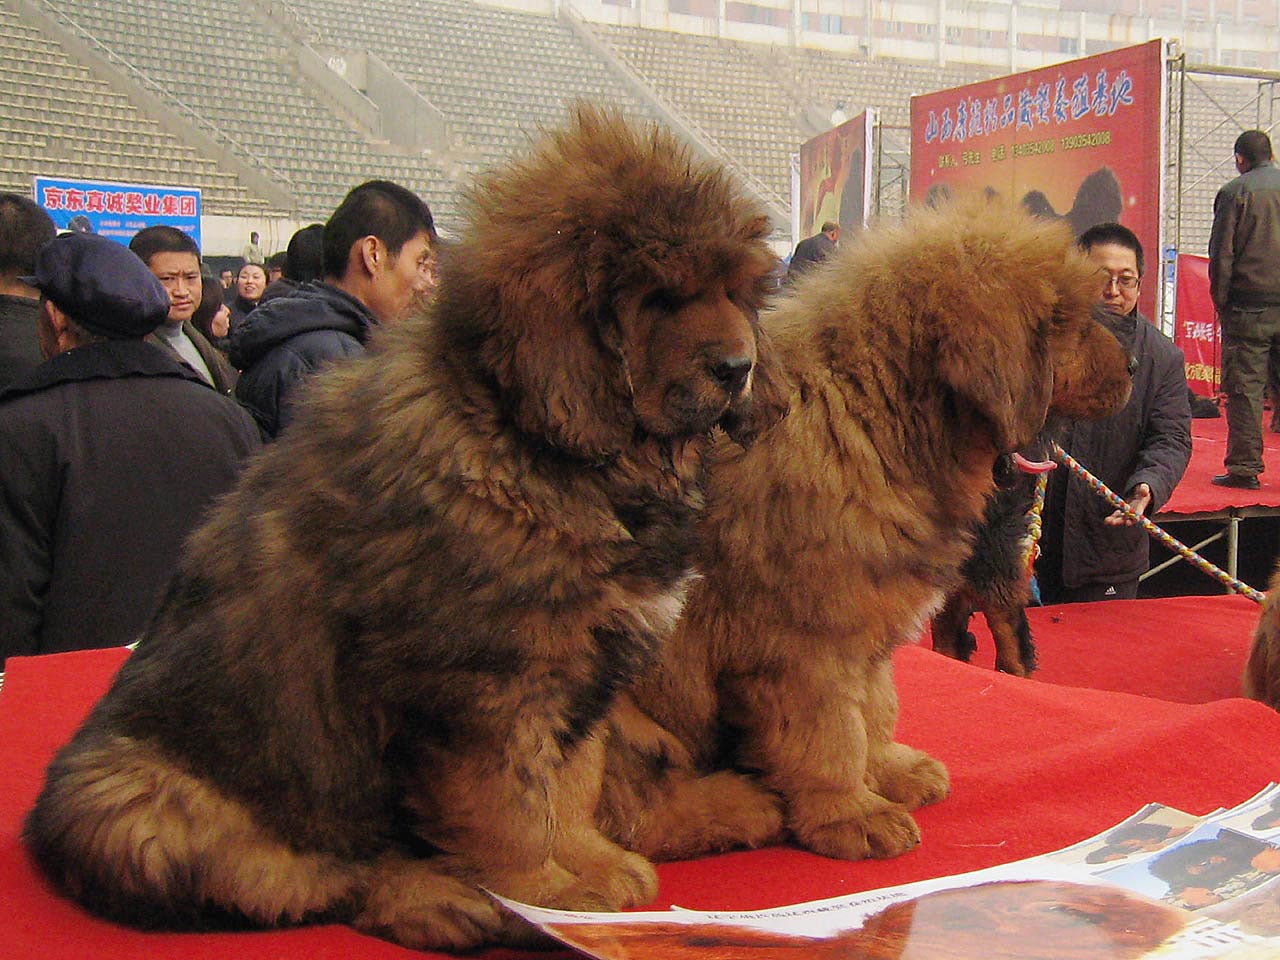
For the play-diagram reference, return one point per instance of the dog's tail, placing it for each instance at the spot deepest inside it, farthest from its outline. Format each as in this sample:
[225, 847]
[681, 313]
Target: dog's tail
[137, 840]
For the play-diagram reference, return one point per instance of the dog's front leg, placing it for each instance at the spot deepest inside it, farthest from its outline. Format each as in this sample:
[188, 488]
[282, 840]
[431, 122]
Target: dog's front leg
[805, 731]
[900, 773]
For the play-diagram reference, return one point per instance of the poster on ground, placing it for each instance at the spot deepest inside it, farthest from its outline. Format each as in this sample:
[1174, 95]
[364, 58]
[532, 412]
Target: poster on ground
[1079, 141]
[117, 210]
[835, 177]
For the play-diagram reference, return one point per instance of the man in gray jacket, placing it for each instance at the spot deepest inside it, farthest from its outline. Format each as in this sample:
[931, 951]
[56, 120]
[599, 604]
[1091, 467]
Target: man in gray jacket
[1244, 280]
[1092, 552]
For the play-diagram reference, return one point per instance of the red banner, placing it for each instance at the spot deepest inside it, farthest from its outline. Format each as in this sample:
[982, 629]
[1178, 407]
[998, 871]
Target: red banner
[1196, 328]
[835, 177]
[1078, 141]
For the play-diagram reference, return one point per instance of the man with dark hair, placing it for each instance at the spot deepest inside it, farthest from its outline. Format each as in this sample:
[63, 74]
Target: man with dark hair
[1244, 281]
[275, 267]
[378, 261]
[109, 453]
[24, 229]
[303, 262]
[174, 259]
[815, 249]
[1091, 552]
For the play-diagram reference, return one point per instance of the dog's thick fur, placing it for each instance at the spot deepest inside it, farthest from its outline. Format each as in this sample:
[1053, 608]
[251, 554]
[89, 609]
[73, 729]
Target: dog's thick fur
[374, 682]
[1262, 671]
[916, 357]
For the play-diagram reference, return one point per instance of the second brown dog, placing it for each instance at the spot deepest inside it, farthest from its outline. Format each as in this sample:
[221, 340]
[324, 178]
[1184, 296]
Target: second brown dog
[916, 357]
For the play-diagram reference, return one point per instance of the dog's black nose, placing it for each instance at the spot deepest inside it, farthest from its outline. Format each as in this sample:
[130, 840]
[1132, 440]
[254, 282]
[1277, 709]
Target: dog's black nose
[731, 372]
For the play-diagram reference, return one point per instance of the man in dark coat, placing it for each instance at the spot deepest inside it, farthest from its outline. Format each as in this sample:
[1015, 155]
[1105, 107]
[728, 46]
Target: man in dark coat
[1244, 281]
[379, 259]
[1092, 552]
[24, 229]
[815, 249]
[109, 453]
[173, 257]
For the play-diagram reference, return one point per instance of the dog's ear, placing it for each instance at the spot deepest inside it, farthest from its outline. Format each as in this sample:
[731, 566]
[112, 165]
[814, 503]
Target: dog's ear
[1000, 367]
[770, 393]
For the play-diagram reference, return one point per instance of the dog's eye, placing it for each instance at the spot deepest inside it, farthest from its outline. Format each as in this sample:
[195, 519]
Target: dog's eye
[668, 301]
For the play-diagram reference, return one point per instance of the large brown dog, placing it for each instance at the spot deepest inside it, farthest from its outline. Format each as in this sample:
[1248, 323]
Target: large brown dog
[917, 355]
[1262, 672]
[374, 681]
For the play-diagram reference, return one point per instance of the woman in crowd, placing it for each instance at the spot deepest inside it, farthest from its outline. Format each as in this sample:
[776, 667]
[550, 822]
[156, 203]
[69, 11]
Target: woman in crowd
[250, 282]
[213, 316]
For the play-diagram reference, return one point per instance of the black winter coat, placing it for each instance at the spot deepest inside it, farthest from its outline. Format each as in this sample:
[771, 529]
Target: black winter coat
[1148, 441]
[109, 455]
[288, 339]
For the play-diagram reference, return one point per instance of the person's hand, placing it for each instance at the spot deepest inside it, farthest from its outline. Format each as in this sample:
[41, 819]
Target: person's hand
[1138, 501]
[1195, 897]
[1266, 861]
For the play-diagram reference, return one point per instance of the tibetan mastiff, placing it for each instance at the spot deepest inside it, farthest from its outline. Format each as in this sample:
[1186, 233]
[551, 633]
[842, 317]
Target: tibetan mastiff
[374, 684]
[1262, 671]
[914, 358]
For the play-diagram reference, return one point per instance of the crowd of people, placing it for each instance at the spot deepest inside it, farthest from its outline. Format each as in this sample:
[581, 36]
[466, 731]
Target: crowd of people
[133, 386]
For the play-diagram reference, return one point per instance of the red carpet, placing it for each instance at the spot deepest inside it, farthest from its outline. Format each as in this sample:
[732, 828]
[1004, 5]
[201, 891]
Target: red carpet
[1195, 494]
[1036, 765]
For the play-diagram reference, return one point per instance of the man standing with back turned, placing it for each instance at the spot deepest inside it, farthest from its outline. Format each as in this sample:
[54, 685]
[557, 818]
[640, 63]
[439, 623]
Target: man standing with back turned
[1244, 281]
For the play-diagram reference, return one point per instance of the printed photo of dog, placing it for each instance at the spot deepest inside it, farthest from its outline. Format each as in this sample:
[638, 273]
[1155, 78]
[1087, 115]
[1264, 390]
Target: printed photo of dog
[1003, 920]
[374, 683]
[916, 357]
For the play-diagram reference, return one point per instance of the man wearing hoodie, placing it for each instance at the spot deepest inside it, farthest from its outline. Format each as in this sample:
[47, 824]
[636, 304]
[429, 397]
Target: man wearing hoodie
[379, 260]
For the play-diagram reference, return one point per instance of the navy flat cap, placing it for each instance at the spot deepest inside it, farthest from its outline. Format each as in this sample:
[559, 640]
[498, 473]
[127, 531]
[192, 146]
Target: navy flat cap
[103, 286]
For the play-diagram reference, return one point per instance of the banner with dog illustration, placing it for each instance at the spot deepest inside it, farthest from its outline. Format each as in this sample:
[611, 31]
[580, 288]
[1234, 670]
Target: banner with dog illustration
[1160, 884]
[835, 177]
[1079, 141]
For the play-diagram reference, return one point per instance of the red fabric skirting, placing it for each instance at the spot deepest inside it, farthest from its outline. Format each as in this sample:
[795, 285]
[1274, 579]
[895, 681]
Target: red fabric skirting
[1036, 765]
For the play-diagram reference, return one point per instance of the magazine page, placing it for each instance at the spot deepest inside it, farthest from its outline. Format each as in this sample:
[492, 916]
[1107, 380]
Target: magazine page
[1152, 828]
[1161, 884]
[1258, 816]
[1012, 911]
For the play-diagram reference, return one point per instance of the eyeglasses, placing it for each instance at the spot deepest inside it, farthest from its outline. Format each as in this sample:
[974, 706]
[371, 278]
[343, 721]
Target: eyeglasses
[1124, 282]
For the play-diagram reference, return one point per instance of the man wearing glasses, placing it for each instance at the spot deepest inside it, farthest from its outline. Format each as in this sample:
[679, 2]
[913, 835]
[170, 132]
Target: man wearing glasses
[1244, 281]
[1092, 552]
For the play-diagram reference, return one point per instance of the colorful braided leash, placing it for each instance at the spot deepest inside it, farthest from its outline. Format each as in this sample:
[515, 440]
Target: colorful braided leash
[1034, 524]
[1177, 546]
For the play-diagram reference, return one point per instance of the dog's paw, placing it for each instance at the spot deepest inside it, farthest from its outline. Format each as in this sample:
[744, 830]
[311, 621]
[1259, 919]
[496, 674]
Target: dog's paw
[883, 832]
[627, 880]
[909, 777]
[417, 907]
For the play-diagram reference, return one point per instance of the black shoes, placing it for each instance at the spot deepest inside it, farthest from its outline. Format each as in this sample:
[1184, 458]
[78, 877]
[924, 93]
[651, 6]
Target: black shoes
[1236, 480]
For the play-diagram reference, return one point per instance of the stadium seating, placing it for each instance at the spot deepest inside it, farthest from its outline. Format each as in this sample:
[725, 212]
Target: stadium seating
[496, 75]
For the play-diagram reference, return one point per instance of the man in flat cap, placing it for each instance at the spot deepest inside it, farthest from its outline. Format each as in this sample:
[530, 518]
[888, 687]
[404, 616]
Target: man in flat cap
[110, 451]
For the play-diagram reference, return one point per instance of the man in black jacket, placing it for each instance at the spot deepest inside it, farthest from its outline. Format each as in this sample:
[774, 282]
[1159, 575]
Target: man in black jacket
[110, 451]
[379, 261]
[1092, 552]
[1244, 281]
[813, 250]
[24, 229]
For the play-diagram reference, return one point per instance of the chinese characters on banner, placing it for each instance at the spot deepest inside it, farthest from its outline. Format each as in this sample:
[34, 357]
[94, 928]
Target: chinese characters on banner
[117, 210]
[1197, 326]
[835, 177]
[1078, 141]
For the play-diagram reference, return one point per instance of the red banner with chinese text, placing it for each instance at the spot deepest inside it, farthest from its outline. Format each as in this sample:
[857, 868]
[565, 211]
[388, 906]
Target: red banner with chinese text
[1196, 330]
[1078, 141]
